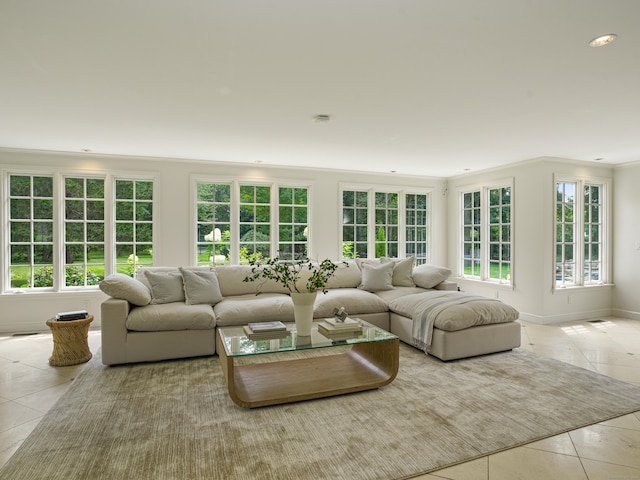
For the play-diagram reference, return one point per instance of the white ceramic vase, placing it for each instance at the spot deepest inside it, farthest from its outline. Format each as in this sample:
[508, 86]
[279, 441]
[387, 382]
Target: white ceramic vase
[303, 311]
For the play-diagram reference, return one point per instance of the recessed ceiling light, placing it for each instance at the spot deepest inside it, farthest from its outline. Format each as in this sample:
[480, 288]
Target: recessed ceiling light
[602, 40]
[321, 118]
[598, 159]
[85, 150]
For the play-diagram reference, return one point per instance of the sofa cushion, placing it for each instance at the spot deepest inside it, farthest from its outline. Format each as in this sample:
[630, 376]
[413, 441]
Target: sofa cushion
[428, 276]
[242, 309]
[171, 316]
[397, 292]
[165, 287]
[118, 285]
[377, 277]
[231, 280]
[200, 287]
[402, 271]
[354, 300]
[346, 276]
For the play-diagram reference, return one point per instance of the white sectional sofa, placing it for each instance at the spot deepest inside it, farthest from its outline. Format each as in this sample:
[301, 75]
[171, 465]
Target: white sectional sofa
[171, 312]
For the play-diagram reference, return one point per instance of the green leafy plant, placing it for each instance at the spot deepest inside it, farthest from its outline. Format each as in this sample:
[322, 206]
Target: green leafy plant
[290, 273]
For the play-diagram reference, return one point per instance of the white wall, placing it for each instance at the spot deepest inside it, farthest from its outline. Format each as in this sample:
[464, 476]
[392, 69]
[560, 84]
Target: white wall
[626, 242]
[533, 248]
[28, 312]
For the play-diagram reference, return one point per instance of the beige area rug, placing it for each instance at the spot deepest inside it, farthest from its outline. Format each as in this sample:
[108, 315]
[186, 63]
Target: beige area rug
[174, 420]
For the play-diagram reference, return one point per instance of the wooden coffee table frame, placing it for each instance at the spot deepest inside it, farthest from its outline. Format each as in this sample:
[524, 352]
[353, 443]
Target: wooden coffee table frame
[365, 366]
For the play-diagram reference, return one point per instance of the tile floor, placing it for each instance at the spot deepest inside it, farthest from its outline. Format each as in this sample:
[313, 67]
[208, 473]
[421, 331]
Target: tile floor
[606, 451]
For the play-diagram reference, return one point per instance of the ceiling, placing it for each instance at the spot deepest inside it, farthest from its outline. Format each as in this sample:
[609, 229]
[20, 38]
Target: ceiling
[421, 87]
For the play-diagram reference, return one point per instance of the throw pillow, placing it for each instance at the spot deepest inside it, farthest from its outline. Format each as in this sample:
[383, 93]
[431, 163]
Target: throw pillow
[165, 287]
[377, 277]
[201, 287]
[402, 271]
[428, 276]
[118, 285]
[360, 262]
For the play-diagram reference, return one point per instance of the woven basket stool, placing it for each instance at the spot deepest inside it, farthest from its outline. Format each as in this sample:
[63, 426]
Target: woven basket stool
[70, 346]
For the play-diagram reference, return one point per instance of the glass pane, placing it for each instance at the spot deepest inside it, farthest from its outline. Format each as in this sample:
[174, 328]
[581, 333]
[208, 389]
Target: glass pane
[19, 186]
[205, 192]
[144, 190]
[20, 254]
[74, 210]
[222, 213]
[263, 195]
[74, 232]
[286, 196]
[300, 214]
[124, 189]
[95, 210]
[20, 231]
[95, 232]
[43, 254]
[20, 208]
[95, 188]
[43, 187]
[205, 213]
[124, 232]
[144, 211]
[74, 188]
[144, 232]
[43, 232]
[43, 209]
[286, 214]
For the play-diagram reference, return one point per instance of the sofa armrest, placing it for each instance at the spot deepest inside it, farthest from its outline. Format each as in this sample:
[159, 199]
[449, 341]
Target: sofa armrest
[447, 285]
[113, 324]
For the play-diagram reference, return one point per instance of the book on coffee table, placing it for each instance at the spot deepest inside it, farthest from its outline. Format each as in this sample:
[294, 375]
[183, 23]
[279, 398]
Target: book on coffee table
[268, 335]
[349, 324]
[258, 327]
[339, 335]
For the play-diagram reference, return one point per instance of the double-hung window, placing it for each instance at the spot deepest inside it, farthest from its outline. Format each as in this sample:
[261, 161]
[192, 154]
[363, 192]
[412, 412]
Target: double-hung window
[31, 226]
[134, 224]
[581, 236]
[378, 223]
[237, 221]
[486, 250]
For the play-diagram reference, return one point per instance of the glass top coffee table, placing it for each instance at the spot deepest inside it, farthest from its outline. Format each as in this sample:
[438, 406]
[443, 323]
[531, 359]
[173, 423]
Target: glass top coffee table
[292, 369]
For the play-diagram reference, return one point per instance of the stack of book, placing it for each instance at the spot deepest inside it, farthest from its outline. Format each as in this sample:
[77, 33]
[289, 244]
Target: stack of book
[336, 329]
[266, 330]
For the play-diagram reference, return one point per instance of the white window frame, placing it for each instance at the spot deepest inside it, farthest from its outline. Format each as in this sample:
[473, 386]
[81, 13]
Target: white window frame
[606, 216]
[235, 183]
[484, 189]
[401, 191]
[59, 240]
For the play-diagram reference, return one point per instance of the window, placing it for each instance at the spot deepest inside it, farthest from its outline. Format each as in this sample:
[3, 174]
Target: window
[486, 234]
[355, 230]
[134, 225]
[213, 205]
[499, 237]
[416, 227]
[384, 224]
[270, 219]
[386, 239]
[31, 231]
[255, 221]
[580, 233]
[84, 231]
[471, 233]
[57, 233]
[293, 220]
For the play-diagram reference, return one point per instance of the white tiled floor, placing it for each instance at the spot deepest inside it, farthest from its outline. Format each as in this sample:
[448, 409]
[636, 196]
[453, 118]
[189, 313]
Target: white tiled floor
[606, 451]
